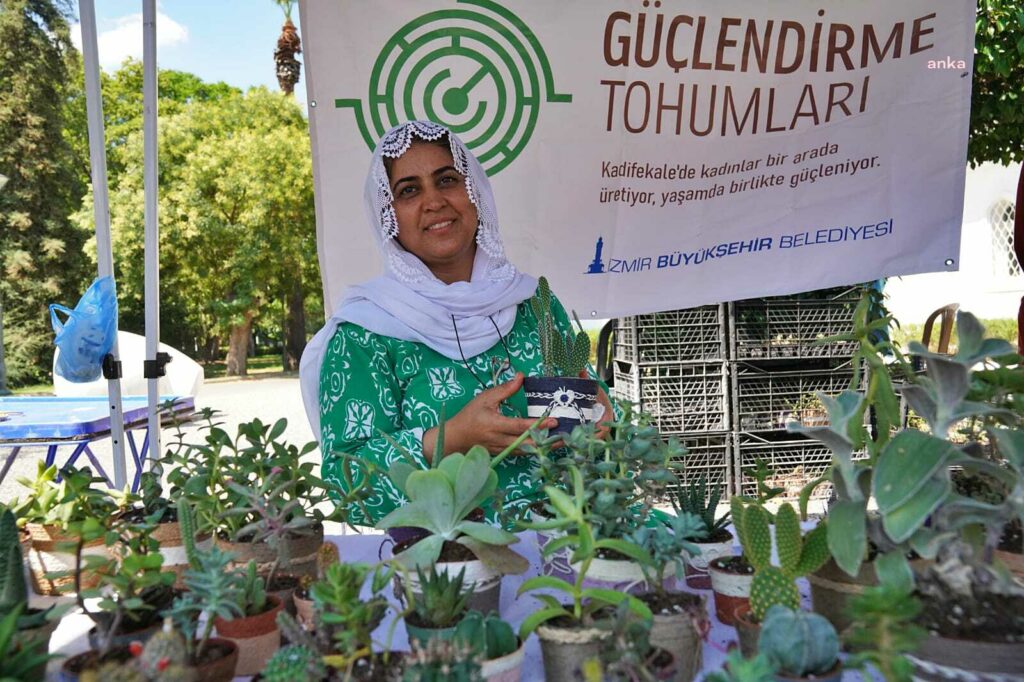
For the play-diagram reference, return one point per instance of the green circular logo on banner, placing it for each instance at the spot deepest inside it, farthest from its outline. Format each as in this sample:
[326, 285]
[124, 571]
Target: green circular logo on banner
[483, 74]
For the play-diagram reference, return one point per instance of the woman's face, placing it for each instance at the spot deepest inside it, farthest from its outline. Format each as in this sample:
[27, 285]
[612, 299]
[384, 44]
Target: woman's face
[436, 220]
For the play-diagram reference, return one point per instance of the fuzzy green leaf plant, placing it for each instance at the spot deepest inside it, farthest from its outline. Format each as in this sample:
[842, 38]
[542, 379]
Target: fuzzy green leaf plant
[440, 502]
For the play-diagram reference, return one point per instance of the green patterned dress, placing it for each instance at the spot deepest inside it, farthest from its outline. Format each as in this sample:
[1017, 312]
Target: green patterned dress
[371, 384]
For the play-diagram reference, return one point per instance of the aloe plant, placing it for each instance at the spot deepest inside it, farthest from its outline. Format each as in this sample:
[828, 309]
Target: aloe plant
[440, 502]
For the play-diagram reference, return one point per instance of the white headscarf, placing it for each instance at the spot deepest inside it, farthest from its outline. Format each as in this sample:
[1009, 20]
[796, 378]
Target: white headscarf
[408, 302]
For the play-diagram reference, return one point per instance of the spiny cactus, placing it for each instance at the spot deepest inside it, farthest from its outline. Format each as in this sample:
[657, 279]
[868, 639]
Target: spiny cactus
[442, 661]
[798, 643]
[254, 593]
[489, 636]
[165, 648]
[187, 527]
[162, 659]
[562, 355]
[326, 555]
[798, 554]
[294, 664]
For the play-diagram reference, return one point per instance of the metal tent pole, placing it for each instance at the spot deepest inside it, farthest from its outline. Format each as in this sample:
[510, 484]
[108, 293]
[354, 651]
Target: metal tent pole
[154, 365]
[101, 214]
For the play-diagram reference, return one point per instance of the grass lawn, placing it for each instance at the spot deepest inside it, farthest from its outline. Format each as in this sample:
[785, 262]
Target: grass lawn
[261, 364]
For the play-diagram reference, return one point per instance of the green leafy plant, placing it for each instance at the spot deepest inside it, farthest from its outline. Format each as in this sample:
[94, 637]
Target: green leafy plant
[739, 669]
[488, 636]
[349, 620]
[439, 599]
[668, 542]
[799, 555]
[442, 661]
[587, 602]
[73, 499]
[701, 500]
[440, 502]
[211, 588]
[294, 663]
[561, 355]
[18, 662]
[798, 643]
[883, 630]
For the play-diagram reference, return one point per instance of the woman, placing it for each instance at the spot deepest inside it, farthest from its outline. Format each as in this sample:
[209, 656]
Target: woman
[448, 324]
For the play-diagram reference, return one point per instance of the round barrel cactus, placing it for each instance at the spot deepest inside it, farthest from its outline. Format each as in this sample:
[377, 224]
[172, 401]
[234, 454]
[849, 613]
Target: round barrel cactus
[797, 642]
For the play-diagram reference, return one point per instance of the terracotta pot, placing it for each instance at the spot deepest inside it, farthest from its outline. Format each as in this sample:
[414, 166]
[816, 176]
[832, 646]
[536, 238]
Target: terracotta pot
[72, 668]
[303, 611]
[48, 555]
[506, 668]
[940, 659]
[221, 661]
[172, 548]
[257, 637]
[697, 575]
[565, 650]
[747, 629]
[731, 590]
[681, 635]
[301, 552]
[832, 589]
[835, 674]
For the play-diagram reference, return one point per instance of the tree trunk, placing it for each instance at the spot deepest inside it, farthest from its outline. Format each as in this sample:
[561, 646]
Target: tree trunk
[294, 327]
[211, 349]
[238, 348]
[3, 366]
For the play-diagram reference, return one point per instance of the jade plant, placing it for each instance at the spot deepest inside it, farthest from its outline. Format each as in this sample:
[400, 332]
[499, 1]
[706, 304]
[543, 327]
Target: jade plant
[798, 554]
[587, 603]
[488, 636]
[798, 643]
[562, 355]
[441, 500]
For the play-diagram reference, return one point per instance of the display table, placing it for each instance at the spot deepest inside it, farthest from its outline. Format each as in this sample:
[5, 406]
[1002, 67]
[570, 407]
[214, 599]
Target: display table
[74, 425]
[70, 637]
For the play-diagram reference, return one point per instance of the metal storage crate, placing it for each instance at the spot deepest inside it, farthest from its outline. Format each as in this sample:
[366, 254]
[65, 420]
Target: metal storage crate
[796, 461]
[764, 400]
[788, 328]
[690, 335]
[682, 398]
[707, 454]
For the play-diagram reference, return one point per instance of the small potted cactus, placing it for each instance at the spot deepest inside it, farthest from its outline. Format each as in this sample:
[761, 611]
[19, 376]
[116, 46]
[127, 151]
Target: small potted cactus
[700, 499]
[562, 392]
[294, 663]
[254, 628]
[439, 602]
[801, 645]
[771, 585]
[442, 661]
[495, 643]
[163, 658]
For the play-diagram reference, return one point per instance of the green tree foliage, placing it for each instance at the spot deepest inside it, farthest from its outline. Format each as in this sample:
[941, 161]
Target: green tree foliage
[997, 99]
[236, 215]
[41, 251]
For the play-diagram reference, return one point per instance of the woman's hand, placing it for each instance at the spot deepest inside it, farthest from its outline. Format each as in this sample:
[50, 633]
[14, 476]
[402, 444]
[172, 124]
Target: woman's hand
[603, 428]
[480, 422]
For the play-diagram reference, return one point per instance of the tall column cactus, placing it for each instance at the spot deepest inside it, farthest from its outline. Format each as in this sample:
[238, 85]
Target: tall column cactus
[12, 577]
[561, 355]
[798, 554]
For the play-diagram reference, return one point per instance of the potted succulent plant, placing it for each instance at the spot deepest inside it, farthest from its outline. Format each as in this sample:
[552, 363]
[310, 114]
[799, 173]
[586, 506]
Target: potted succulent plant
[731, 576]
[441, 500]
[438, 605]
[568, 633]
[561, 392]
[801, 645]
[254, 628]
[495, 644]
[701, 500]
[798, 555]
[630, 655]
[442, 661]
[326, 556]
[680, 620]
[163, 658]
[293, 663]
[343, 622]
[51, 513]
[32, 627]
[883, 630]
[971, 604]
[740, 669]
[211, 590]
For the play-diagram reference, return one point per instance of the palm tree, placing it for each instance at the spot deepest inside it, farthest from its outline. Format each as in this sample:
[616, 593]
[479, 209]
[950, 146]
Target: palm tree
[287, 67]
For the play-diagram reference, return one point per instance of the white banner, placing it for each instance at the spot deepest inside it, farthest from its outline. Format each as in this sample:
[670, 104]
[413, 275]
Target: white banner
[657, 154]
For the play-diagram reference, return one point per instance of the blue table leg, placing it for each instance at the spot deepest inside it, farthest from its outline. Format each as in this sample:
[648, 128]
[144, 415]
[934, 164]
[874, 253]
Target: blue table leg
[10, 460]
[51, 454]
[95, 463]
[136, 458]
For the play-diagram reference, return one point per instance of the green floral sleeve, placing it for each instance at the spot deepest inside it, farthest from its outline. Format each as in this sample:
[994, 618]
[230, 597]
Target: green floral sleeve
[359, 401]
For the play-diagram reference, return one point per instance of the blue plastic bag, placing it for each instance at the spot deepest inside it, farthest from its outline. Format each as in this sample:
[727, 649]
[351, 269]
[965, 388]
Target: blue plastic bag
[88, 333]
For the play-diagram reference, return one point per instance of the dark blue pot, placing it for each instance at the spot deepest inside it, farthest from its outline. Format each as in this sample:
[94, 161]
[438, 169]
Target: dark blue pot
[570, 400]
